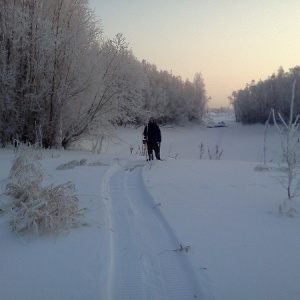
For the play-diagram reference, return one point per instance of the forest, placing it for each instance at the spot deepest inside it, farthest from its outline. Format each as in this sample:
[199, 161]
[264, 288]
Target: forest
[61, 79]
[254, 103]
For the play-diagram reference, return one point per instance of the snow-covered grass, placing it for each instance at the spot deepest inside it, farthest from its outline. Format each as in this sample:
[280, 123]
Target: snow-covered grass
[183, 228]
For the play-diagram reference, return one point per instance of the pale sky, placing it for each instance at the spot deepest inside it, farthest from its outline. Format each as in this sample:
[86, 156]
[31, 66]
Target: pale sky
[230, 42]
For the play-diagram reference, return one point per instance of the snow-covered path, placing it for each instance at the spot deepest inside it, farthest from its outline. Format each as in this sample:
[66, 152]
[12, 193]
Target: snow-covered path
[144, 263]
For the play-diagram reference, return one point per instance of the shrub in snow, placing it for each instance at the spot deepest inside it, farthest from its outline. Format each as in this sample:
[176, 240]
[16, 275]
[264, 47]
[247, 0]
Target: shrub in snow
[26, 170]
[72, 164]
[96, 163]
[39, 209]
[285, 210]
[264, 167]
[201, 149]
[288, 133]
[261, 168]
[35, 152]
[216, 154]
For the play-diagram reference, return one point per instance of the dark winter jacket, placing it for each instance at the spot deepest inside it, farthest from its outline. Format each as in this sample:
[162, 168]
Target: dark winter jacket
[152, 133]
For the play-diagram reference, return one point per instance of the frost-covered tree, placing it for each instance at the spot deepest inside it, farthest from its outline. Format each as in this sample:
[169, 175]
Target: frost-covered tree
[288, 133]
[60, 80]
[43, 46]
[129, 98]
[114, 91]
[172, 100]
[58, 76]
[17, 65]
[253, 103]
[75, 34]
[200, 99]
[155, 91]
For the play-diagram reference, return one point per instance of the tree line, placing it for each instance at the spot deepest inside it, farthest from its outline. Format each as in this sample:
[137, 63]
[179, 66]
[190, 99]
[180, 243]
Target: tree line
[61, 79]
[254, 103]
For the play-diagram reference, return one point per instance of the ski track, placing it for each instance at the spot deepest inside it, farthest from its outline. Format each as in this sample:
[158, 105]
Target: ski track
[143, 263]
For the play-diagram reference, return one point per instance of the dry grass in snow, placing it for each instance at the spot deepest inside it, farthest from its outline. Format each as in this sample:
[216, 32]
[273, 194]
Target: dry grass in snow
[38, 209]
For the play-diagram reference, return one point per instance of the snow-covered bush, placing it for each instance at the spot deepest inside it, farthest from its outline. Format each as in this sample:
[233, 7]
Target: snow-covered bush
[26, 170]
[35, 152]
[97, 163]
[72, 164]
[28, 150]
[36, 208]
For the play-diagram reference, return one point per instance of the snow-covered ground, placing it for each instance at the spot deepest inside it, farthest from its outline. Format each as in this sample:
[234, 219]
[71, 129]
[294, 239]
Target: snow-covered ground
[183, 228]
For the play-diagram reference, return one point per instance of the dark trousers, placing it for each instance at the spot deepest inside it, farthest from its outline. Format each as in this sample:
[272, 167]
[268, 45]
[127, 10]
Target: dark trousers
[155, 148]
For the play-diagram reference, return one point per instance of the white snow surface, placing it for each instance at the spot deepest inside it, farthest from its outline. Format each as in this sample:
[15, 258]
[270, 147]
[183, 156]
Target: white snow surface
[182, 228]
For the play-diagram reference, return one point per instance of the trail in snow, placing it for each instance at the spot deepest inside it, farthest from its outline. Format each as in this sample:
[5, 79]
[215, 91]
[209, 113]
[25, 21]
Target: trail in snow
[143, 263]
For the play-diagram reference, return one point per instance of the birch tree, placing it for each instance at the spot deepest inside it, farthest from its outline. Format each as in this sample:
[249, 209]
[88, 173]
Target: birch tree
[112, 89]
[39, 62]
[288, 133]
[76, 35]
[57, 73]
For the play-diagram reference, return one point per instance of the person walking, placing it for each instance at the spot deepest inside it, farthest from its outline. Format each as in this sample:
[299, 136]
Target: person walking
[152, 136]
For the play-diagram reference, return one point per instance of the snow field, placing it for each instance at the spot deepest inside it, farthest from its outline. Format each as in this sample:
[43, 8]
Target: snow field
[223, 212]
